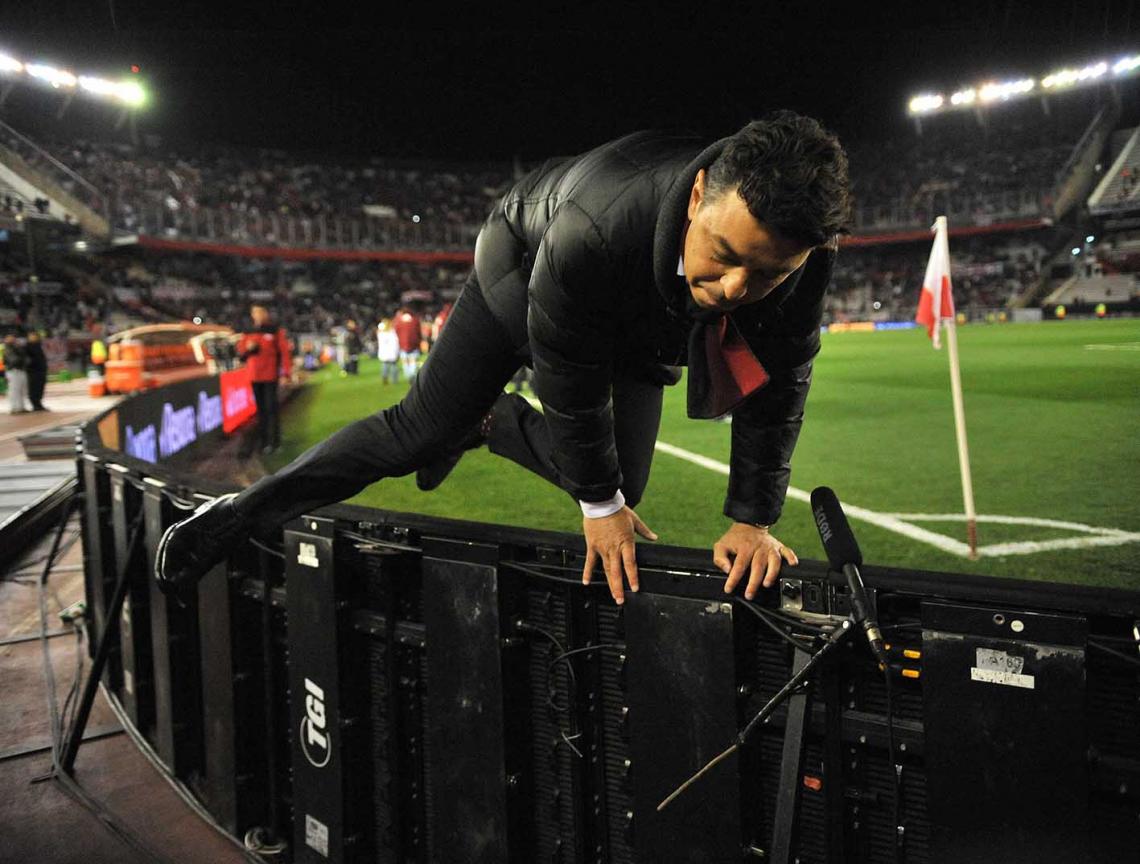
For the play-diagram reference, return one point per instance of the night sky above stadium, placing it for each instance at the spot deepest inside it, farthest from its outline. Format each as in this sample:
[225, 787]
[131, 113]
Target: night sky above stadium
[432, 83]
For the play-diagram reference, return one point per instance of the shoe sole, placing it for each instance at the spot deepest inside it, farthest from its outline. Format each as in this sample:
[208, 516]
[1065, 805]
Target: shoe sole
[166, 586]
[160, 559]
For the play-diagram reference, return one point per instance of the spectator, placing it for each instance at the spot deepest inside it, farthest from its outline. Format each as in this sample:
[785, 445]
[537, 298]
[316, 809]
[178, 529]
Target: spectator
[265, 351]
[37, 371]
[16, 371]
[388, 352]
[407, 327]
[352, 348]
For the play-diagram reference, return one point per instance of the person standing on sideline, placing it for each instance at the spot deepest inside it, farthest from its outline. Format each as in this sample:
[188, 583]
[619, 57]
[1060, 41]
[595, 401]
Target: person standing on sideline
[37, 371]
[407, 327]
[352, 348]
[265, 351]
[16, 371]
[388, 352]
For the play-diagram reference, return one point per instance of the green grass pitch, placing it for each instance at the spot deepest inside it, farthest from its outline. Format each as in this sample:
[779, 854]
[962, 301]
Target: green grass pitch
[1054, 433]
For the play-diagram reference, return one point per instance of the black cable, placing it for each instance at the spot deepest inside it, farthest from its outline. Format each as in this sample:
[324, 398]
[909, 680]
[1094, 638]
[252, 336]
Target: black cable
[18, 572]
[794, 621]
[1134, 661]
[775, 628]
[564, 580]
[267, 549]
[554, 640]
[372, 541]
[565, 655]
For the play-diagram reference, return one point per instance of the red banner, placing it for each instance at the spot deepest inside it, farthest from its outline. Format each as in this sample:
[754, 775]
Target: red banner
[237, 399]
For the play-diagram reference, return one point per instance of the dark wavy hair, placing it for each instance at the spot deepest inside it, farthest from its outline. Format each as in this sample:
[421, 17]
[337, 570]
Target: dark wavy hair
[792, 174]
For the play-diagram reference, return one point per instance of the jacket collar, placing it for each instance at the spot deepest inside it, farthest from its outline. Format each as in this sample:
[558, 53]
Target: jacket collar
[670, 226]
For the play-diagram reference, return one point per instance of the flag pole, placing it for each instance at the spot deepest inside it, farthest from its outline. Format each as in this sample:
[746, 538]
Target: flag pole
[960, 430]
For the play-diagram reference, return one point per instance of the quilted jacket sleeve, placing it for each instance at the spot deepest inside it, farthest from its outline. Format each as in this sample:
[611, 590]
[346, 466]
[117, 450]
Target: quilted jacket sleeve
[571, 330]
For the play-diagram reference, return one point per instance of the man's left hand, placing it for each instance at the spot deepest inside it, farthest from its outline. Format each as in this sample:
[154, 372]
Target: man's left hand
[750, 548]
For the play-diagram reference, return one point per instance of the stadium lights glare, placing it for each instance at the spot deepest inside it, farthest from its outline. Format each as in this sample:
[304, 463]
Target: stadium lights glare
[126, 92]
[1003, 91]
[993, 91]
[964, 97]
[1068, 77]
[1125, 65]
[925, 104]
[51, 75]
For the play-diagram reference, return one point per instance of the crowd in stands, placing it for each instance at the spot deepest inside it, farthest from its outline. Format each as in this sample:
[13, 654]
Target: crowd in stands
[977, 174]
[269, 196]
[1004, 168]
[883, 282]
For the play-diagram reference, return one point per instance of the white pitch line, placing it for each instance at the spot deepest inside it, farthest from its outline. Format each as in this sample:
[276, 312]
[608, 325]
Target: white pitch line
[897, 521]
[1026, 547]
[1117, 346]
[1014, 520]
[940, 541]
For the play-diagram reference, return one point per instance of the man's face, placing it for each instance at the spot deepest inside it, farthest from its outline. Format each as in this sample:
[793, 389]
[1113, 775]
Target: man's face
[732, 259]
[259, 315]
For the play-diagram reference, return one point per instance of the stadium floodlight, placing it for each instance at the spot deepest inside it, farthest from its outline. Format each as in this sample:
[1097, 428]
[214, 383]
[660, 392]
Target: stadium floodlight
[964, 97]
[128, 92]
[926, 103]
[993, 91]
[1002, 91]
[1069, 77]
[50, 75]
[1126, 64]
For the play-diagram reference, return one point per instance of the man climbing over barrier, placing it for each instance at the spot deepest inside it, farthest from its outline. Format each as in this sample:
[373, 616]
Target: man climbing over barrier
[605, 272]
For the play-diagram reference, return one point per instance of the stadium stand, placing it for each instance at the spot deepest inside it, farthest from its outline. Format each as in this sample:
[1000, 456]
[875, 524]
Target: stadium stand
[200, 231]
[1119, 189]
[878, 283]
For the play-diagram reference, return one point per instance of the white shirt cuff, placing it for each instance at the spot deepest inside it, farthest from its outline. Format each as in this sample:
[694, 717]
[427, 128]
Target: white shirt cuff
[600, 509]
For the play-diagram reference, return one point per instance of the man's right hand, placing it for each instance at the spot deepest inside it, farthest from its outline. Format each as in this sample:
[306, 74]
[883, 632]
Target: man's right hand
[611, 539]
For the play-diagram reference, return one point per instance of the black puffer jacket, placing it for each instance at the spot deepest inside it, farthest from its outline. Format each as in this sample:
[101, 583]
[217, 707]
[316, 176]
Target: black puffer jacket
[579, 263]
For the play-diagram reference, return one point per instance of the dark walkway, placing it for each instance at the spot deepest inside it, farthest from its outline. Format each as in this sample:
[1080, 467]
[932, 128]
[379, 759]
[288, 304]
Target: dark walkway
[39, 822]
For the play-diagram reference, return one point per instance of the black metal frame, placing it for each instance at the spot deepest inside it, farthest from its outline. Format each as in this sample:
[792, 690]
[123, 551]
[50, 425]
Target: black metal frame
[462, 732]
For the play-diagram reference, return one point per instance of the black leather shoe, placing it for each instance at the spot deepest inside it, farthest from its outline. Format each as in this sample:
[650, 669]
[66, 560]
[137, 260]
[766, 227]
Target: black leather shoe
[434, 473]
[190, 548]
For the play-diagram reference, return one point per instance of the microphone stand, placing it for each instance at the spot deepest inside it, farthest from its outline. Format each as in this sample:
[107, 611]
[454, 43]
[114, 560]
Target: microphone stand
[801, 675]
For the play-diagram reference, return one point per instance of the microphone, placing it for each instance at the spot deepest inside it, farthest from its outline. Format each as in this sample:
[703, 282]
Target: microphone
[844, 556]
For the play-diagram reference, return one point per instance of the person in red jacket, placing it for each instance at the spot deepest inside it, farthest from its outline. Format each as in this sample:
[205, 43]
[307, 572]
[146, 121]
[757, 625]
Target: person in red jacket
[407, 327]
[265, 352]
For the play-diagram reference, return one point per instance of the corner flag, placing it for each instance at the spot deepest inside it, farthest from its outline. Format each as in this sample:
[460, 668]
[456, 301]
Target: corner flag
[935, 307]
[936, 289]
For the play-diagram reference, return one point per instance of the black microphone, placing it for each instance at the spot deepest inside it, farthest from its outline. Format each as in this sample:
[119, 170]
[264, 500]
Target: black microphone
[843, 555]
